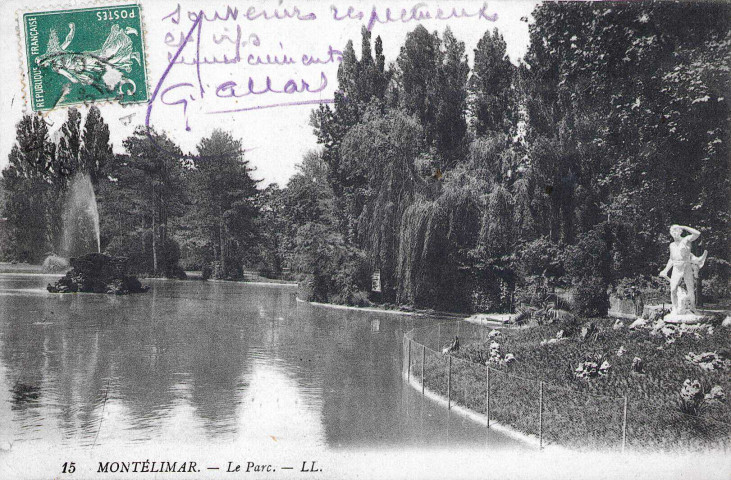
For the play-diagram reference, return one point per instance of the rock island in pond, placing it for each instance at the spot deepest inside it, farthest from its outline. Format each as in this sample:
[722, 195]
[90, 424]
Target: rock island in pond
[98, 273]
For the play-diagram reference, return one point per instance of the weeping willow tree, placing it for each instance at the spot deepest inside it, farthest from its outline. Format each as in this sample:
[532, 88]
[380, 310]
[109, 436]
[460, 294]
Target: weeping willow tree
[380, 223]
[437, 239]
[497, 236]
[495, 252]
[412, 238]
[381, 152]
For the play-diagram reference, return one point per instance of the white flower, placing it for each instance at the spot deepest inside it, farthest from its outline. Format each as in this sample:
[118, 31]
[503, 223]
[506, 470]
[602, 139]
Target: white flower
[604, 369]
[716, 394]
[691, 390]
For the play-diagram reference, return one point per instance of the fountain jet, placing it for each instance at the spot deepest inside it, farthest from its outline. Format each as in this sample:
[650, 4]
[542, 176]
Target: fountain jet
[80, 218]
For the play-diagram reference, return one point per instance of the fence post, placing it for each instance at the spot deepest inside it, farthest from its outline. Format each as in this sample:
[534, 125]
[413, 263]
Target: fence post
[487, 410]
[449, 382]
[423, 361]
[624, 425]
[540, 417]
[408, 364]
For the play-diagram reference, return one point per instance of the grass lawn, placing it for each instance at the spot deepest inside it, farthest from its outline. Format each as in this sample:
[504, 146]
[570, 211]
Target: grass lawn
[588, 413]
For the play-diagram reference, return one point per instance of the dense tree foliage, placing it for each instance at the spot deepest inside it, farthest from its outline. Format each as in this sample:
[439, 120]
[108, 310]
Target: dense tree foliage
[469, 189]
[627, 119]
[142, 193]
[613, 127]
[37, 180]
[493, 102]
[224, 201]
[27, 191]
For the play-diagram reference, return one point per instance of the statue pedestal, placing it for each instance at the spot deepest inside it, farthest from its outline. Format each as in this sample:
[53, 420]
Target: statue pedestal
[677, 318]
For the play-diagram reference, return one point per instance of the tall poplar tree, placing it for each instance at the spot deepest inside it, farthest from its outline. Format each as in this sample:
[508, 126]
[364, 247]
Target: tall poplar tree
[225, 198]
[492, 100]
[28, 193]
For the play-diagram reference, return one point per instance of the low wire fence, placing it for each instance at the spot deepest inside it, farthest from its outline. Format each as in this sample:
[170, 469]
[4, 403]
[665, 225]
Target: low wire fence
[552, 414]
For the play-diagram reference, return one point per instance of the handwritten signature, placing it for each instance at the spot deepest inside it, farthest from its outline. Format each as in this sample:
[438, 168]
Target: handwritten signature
[185, 93]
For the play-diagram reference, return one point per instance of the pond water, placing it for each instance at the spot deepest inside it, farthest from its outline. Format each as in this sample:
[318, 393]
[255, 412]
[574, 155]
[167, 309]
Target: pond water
[209, 362]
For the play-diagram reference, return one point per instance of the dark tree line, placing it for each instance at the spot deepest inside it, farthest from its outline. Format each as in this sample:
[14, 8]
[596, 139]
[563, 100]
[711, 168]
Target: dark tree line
[38, 174]
[468, 189]
[472, 190]
[153, 200]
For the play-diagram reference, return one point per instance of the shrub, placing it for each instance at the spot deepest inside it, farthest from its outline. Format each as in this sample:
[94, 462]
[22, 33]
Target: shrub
[206, 272]
[570, 324]
[633, 253]
[716, 288]
[488, 292]
[355, 298]
[170, 260]
[531, 290]
[691, 399]
[543, 307]
[306, 290]
[542, 258]
[313, 287]
[352, 273]
[641, 290]
[589, 257]
[588, 265]
[137, 248]
[591, 298]
[231, 268]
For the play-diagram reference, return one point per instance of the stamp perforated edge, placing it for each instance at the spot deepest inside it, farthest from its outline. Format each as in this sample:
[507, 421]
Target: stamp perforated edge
[72, 5]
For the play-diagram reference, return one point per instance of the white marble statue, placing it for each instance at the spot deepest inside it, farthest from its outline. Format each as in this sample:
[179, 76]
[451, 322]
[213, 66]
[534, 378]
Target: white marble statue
[685, 267]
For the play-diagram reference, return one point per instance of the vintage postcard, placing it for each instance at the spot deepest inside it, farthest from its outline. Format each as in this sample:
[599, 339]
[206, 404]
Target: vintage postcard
[365, 239]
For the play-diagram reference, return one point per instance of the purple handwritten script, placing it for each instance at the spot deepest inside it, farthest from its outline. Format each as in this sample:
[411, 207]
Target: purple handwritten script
[250, 13]
[419, 12]
[217, 93]
[233, 59]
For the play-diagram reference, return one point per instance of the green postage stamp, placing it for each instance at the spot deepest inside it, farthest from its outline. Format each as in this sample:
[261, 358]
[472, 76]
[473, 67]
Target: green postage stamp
[85, 55]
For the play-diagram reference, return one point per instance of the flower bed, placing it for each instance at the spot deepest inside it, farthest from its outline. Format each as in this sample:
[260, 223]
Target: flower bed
[582, 410]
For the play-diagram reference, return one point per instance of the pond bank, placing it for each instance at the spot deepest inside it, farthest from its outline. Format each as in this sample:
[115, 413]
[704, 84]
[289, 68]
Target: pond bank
[379, 309]
[360, 309]
[529, 440]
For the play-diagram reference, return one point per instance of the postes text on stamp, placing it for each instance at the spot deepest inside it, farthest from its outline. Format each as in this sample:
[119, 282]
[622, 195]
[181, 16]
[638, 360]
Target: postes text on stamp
[85, 55]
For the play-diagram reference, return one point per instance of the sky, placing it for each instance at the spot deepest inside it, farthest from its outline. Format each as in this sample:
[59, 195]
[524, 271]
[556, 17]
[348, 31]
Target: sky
[189, 103]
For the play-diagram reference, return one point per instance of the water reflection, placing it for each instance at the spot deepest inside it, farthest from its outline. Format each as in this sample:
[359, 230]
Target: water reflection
[207, 362]
[375, 325]
[275, 408]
